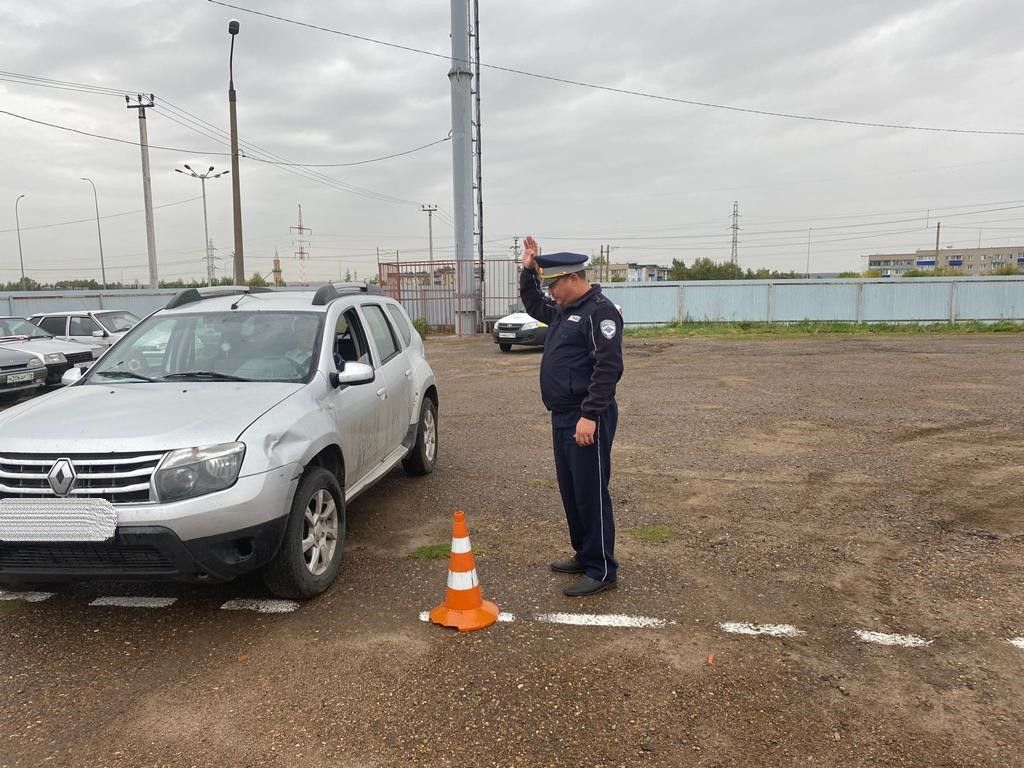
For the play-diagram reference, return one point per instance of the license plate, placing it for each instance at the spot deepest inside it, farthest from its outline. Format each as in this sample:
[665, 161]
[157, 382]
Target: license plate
[14, 378]
[506, 335]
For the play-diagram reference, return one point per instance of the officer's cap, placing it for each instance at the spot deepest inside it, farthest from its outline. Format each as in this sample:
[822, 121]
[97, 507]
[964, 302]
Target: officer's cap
[552, 266]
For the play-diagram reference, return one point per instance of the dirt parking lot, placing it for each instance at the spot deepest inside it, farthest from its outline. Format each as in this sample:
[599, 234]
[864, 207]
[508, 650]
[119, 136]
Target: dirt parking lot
[830, 485]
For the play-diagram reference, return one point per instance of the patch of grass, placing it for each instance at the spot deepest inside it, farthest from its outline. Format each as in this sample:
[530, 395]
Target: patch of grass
[542, 482]
[654, 534]
[431, 552]
[751, 330]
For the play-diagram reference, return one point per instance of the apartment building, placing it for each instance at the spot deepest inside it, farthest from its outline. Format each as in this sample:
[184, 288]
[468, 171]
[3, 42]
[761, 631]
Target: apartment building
[970, 261]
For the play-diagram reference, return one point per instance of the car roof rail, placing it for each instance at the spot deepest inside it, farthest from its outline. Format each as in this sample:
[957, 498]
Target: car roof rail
[191, 295]
[328, 293]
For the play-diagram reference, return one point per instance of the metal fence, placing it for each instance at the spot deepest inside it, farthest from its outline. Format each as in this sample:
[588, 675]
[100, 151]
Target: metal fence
[428, 291]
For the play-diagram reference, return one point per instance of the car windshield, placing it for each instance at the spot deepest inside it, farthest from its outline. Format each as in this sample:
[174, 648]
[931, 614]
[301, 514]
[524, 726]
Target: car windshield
[117, 322]
[15, 327]
[216, 347]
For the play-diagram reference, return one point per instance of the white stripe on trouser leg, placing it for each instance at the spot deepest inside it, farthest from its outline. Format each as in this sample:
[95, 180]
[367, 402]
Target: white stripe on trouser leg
[462, 580]
[460, 546]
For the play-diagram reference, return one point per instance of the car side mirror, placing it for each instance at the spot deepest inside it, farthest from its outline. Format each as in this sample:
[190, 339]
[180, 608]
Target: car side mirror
[99, 334]
[354, 373]
[70, 376]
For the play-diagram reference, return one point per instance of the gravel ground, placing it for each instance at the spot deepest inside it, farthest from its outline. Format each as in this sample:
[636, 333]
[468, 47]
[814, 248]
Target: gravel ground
[833, 484]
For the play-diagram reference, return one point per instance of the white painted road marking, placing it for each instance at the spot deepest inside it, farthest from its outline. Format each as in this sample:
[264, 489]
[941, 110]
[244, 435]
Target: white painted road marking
[135, 602]
[28, 597]
[772, 630]
[602, 620]
[881, 638]
[1017, 642]
[260, 606]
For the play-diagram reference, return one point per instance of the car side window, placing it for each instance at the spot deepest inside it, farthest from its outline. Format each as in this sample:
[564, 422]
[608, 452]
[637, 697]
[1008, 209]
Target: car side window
[82, 326]
[380, 329]
[350, 341]
[401, 323]
[55, 326]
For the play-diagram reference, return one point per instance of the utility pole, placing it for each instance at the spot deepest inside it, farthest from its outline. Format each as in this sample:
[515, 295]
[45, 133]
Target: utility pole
[478, 153]
[735, 231]
[808, 273]
[460, 78]
[938, 228]
[21, 257]
[301, 254]
[236, 189]
[99, 235]
[147, 192]
[429, 210]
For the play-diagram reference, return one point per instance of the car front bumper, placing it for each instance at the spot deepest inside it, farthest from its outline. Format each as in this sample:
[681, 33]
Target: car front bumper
[215, 537]
[531, 338]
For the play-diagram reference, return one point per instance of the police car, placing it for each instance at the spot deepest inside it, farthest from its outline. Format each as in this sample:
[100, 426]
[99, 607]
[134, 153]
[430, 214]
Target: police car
[520, 329]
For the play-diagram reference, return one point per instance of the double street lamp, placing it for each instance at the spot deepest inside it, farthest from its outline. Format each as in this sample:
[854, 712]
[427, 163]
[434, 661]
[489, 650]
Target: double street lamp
[17, 223]
[99, 234]
[208, 174]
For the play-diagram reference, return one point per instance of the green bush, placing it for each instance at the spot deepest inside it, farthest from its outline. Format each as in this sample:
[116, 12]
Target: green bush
[420, 325]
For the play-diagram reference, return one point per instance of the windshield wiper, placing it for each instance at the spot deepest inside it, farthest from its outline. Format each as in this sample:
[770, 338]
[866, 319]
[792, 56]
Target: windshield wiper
[204, 375]
[125, 375]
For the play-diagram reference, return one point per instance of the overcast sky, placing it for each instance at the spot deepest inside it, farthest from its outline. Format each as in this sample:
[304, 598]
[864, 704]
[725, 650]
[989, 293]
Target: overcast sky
[575, 166]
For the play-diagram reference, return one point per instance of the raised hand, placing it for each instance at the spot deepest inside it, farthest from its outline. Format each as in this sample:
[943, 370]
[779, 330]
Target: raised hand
[530, 249]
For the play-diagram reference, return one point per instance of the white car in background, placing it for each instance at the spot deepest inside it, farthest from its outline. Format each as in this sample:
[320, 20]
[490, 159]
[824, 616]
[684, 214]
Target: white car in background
[58, 356]
[103, 326]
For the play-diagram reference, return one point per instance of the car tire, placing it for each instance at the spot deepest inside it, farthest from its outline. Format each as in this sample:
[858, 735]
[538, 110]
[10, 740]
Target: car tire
[423, 456]
[505, 347]
[306, 564]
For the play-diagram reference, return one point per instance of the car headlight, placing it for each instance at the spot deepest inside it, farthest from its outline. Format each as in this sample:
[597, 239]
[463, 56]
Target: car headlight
[96, 352]
[54, 357]
[191, 472]
[531, 325]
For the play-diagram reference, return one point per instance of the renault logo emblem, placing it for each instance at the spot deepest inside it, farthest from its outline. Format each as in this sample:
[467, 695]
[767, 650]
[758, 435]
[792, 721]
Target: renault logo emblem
[62, 477]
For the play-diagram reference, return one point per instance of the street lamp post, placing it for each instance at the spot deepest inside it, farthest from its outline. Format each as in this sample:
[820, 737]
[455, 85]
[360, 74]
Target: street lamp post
[99, 235]
[17, 223]
[209, 174]
[235, 187]
[807, 274]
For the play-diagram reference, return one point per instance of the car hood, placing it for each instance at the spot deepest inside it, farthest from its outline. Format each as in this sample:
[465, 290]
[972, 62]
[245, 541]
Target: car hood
[102, 418]
[16, 357]
[46, 346]
[517, 317]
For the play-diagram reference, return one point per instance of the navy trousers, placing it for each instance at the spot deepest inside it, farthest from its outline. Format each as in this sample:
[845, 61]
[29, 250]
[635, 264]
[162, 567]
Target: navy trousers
[583, 474]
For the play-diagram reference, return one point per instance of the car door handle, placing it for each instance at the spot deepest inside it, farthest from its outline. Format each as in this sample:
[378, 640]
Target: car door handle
[408, 374]
[382, 393]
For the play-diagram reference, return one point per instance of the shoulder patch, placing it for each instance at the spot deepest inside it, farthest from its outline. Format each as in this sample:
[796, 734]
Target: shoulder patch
[608, 329]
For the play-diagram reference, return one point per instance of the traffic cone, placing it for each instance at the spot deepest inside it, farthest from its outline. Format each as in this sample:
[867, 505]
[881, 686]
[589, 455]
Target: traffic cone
[464, 606]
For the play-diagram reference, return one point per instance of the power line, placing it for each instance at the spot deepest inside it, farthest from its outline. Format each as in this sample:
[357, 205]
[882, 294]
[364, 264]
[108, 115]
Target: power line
[626, 91]
[91, 219]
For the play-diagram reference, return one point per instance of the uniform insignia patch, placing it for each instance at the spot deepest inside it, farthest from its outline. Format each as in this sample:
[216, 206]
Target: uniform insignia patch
[574, 318]
[608, 329]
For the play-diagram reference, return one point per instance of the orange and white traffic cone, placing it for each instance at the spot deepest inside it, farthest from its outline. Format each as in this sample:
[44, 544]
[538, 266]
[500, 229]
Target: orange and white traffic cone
[464, 606]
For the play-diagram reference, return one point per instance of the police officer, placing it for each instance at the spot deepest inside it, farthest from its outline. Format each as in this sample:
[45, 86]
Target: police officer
[581, 366]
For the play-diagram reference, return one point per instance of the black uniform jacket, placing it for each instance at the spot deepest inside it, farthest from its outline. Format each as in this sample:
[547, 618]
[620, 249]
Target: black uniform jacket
[582, 350]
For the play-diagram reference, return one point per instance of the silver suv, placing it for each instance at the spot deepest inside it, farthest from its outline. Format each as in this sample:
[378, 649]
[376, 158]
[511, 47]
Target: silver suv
[223, 434]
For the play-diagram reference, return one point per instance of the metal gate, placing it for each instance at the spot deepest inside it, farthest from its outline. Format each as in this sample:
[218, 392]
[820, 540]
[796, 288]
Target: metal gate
[428, 291]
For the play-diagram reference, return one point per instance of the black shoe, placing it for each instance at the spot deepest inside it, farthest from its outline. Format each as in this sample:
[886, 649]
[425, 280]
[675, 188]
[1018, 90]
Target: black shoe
[572, 565]
[587, 586]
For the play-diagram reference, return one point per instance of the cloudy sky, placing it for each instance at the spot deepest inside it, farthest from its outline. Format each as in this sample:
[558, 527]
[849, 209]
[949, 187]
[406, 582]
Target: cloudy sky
[576, 166]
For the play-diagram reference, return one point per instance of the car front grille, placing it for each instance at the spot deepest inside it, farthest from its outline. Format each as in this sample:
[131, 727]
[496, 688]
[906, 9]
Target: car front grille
[101, 556]
[76, 358]
[119, 478]
[509, 326]
[15, 368]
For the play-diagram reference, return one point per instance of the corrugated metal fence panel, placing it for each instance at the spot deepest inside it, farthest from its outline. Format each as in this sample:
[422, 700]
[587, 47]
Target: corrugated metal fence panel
[729, 301]
[644, 305]
[815, 300]
[990, 300]
[902, 301]
[140, 302]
